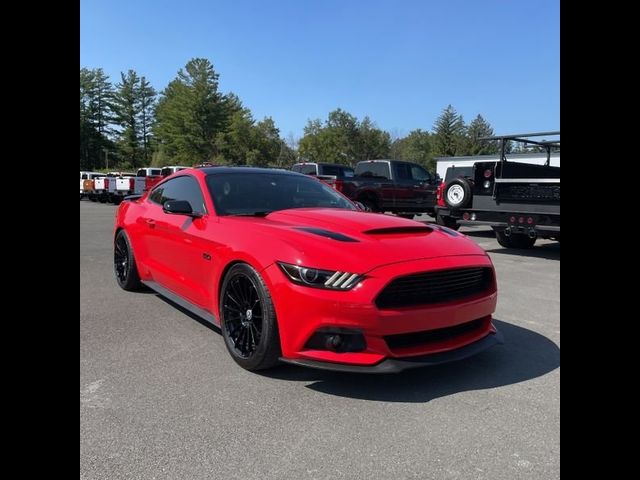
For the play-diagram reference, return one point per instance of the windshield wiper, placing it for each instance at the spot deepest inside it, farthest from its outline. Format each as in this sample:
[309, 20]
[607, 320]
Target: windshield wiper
[263, 213]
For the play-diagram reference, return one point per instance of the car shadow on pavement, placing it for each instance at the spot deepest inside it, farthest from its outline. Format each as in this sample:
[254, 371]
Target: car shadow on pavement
[478, 233]
[524, 355]
[190, 314]
[549, 251]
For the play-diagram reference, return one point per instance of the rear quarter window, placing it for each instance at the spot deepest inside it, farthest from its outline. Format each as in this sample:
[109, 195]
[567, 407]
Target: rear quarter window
[457, 172]
[307, 169]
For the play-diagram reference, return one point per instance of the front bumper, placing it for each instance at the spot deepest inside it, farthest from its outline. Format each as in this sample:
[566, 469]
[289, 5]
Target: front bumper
[395, 365]
[302, 311]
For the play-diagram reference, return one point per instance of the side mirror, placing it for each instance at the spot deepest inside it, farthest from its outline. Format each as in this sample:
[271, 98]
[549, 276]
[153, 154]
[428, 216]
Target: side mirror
[362, 207]
[179, 207]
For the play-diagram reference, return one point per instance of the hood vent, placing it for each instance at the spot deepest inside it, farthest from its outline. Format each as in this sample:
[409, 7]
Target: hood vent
[328, 234]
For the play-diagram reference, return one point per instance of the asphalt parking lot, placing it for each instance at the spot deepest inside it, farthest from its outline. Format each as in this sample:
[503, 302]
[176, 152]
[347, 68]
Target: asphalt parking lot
[160, 397]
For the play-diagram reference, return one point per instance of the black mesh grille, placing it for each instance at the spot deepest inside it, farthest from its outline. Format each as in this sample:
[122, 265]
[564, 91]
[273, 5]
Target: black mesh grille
[434, 287]
[412, 339]
[538, 193]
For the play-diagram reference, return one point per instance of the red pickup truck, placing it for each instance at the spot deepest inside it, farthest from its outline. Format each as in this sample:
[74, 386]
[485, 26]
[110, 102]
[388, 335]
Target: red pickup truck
[393, 186]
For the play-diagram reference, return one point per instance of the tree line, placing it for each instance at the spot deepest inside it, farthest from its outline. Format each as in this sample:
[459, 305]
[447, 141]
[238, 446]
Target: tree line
[129, 124]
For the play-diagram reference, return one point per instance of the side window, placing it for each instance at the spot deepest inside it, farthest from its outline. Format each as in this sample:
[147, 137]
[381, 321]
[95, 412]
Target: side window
[156, 195]
[296, 168]
[309, 169]
[419, 173]
[404, 171]
[180, 188]
[84, 176]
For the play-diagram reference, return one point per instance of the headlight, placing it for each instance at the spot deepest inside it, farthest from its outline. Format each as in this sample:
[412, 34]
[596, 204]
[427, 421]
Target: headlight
[313, 277]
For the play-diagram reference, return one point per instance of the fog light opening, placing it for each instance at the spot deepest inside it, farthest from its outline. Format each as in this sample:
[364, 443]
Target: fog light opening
[334, 343]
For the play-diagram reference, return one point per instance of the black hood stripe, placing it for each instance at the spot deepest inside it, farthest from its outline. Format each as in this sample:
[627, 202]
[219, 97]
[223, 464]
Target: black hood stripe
[328, 234]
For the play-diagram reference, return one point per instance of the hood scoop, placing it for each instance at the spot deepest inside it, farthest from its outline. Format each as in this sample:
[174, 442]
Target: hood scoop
[327, 233]
[399, 230]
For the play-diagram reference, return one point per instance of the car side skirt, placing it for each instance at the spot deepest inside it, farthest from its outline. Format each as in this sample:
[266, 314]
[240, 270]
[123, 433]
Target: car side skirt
[200, 312]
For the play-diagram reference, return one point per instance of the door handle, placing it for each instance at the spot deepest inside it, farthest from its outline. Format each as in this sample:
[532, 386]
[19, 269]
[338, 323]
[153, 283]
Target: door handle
[150, 223]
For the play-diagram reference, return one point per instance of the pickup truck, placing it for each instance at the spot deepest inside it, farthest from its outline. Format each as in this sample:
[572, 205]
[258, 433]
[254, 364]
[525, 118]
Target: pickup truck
[519, 201]
[128, 185]
[143, 180]
[151, 175]
[166, 171]
[330, 173]
[87, 184]
[395, 186]
[105, 186]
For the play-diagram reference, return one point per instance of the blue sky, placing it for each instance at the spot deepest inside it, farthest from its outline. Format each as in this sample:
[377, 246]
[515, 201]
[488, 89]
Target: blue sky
[399, 62]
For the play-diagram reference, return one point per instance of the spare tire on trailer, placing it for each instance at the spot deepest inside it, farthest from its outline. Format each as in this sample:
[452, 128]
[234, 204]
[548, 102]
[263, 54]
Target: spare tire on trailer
[457, 193]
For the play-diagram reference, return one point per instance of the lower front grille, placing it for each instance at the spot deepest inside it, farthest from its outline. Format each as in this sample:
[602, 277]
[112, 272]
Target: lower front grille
[434, 287]
[413, 339]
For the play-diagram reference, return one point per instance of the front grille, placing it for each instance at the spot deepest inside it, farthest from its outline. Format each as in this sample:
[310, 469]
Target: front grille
[434, 287]
[412, 339]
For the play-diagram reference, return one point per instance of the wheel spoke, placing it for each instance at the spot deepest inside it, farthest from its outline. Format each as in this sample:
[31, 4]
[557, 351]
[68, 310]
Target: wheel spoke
[237, 290]
[232, 308]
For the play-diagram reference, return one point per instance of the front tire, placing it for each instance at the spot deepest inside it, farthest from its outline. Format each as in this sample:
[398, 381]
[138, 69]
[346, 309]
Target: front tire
[124, 264]
[248, 319]
[370, 204]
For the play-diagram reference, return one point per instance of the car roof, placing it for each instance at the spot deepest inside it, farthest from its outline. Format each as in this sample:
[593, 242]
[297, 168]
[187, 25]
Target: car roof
[222, 170]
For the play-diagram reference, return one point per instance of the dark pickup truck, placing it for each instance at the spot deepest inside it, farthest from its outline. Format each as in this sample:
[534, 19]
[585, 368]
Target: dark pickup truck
[520, 201]
[393, 186]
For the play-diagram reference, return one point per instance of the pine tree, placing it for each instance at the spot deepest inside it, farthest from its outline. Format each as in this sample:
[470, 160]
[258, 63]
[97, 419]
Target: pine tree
[127, 110]
[96, 94]
[146, 107]
[191, 113]
[477, 129]
[448, 135]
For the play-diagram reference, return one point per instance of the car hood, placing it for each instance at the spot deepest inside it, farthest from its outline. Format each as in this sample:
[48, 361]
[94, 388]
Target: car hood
[335, 238]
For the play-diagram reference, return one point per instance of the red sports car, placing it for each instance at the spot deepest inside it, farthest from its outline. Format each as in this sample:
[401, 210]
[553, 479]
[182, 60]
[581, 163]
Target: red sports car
[291, 270]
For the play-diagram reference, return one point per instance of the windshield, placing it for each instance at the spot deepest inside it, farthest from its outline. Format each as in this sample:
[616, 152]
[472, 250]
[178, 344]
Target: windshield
[262, 193]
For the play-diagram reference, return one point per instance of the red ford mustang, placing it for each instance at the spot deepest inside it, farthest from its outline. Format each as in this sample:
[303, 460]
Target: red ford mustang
[291, 270]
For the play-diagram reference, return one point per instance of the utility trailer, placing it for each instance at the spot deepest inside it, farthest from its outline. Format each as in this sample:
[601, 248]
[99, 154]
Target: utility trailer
[520, 201]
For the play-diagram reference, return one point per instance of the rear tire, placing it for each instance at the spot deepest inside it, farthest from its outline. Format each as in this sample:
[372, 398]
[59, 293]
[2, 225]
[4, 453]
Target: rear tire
[515, 240]
[248, 319]
[124, 264]
[448, 222]
[370, 203]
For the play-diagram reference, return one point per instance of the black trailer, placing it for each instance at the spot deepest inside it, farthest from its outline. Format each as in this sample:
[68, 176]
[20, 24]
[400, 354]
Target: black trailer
[520, 201]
